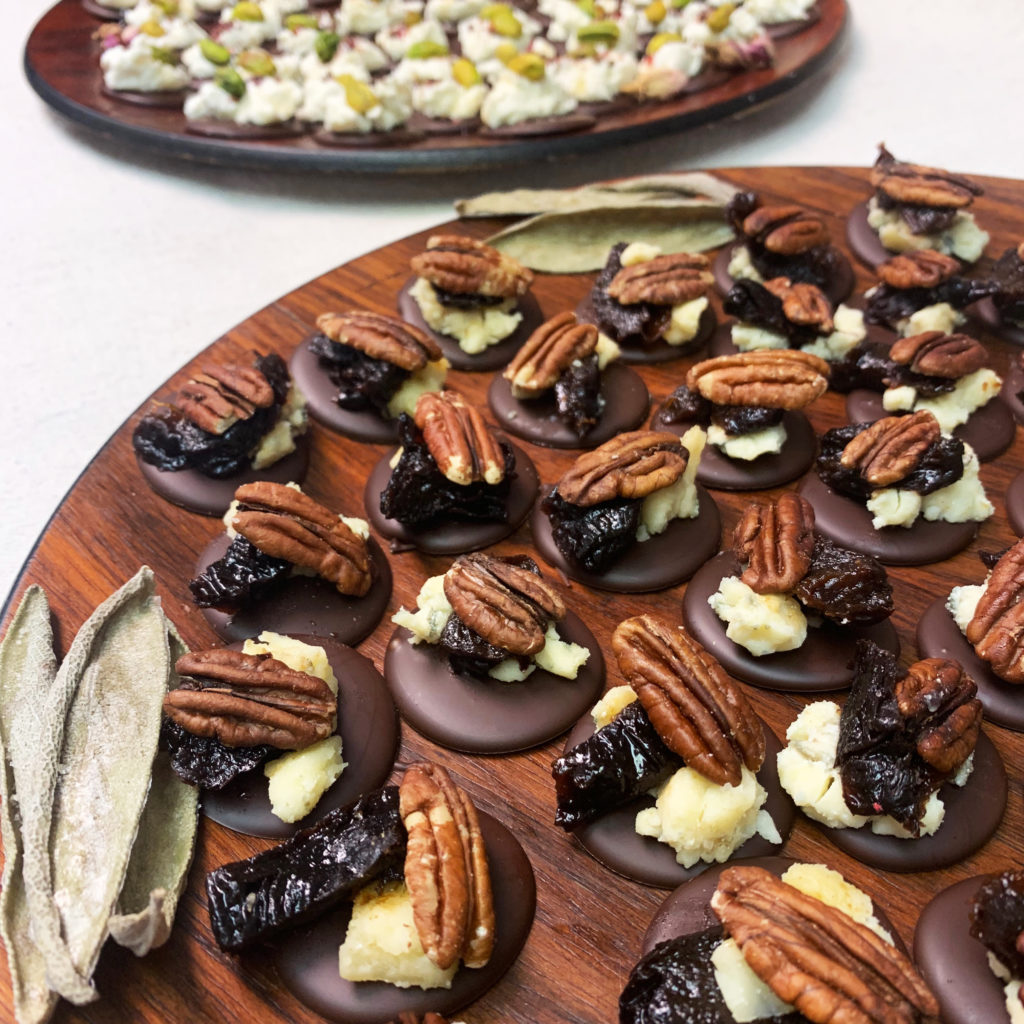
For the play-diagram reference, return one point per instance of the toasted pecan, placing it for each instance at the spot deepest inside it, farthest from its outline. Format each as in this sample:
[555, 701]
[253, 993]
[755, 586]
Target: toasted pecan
[381, 337]
[468, 267]
[770, 378]
[776, 540]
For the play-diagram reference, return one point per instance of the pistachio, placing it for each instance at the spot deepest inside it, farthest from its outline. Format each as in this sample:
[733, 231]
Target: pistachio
[164, 55]
[230, 81]
[588, 7]
[257, 62]
[412, 18]
[505, 23]
[326, 46]
[506, 52]
[169, 7]
[529, 65]
[465, 73]
[151, 28]
[718, 19]
[598, 32]
[660, 40]
[296, 21]
[581, 50]
[359, 96]
[425, 49]
[655, 12]
[246, 10]
[678, 5]
[214, 52]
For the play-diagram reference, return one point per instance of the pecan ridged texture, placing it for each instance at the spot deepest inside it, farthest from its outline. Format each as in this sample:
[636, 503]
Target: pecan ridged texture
[803, 304]
[285, 523]
[666, 280]
[768, 378]
[919, 185]
[786, 230]
[631, 465]
[446, 868]
[381, 337]
[891, 447]
[507, 604]
[217, 397]
[698, 711]
[468, 267]
[936, 354]
[922, 268]
[548, 353]
[997, 627]
[832, 968]
[246, 700]
[463, 446]
[776, 540]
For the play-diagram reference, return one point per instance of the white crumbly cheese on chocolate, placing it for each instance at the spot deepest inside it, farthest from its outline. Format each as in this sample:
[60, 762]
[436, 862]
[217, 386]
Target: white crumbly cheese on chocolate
[747, 447]
[1011, 988]
[952, 408]
[430, 378]
[135, 68]
[514, 98]
[638, 252]
[742, 267]
[761, 623]
[298, 779]
[617, 698]
[296, 654]
[963, 239]
[474, 329]
[848, 331]
[748, 338]
[431, 616]
[448, 100]
[606, 350]
[963, 602]
[382, 943]
[595, 79]
[938, 317]
[292, 422]
[679, 500]
[771, 12]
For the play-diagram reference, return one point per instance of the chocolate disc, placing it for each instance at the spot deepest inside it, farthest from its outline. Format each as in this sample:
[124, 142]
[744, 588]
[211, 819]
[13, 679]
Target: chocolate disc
[612, 838]
[688, 909]
[656, 564]
[973, 813]
[985, 311]
[211, 496]
[863, 239]
[848, 523]
[169, 98]
[719, 471]
[659, 351]
[307, 957]
[989, 430]
[1015, 504]
[837, 289]
[303, 604]
[217, 128]
[1013, 385]
[555, 125]
[484, 716]
[823, 662]
[938, 636]
[366, 140]
[626, 401]
[453, 536]
[321, 392]
[494, 356]
[368, 727]
[954, 963]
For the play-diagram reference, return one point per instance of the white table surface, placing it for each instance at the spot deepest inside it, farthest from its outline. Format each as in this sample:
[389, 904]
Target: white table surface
[119, 266]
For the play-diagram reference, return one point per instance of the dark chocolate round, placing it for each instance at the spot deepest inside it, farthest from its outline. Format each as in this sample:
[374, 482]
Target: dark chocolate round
[484, 716]
[1013, 385]
[837, 289]
[863, 239]
[973, 813]
[823, 662]
[989, 430]
[660, 351]
[554, 125]
[626, 401]
[656, 564]
[304, 604]
[368, 727]
[719, 471]
[1015, 504]
[954, 963]
[688, 909]
[493, 357]
[215, 128]
[307, 958]
[169, 98]
[938, 636]
[365, 140]
[612, 838]
[985, 310]
[211, 496]
[321, 393]
[848, 522]
[452, 537]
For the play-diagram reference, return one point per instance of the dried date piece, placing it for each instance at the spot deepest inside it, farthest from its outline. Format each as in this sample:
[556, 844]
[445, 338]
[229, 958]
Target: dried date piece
[845, 586]
[997, 919]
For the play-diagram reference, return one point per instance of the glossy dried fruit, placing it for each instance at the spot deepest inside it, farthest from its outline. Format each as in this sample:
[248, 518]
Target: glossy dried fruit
[845, 586]
[997, 919]
[205, 762]
[889, 306]
[578, 396]
[595, 536]
[638, 325]
[363, 383]
[242, 574]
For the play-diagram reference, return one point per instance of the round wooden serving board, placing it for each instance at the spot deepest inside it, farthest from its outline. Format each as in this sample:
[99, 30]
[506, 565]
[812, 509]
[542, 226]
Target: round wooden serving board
[62, 65]
[590, 924]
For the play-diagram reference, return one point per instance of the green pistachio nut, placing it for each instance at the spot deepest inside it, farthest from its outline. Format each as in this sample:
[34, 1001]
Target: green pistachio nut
[581, 50]
[411, 18]
[659, 40]
[597, 32]
[152, 29]
[257, 62]
[678, 5]
[529, 65]
[165, 56]
[214, 52]
[718, 19]
[655, 12]
[588, 7]
[465, 73]
[506, 52]
[169, 7]
[230, 81]
[506, 24]
[426, 48]
[359, 96]
[296, 21]
[326, 45]
[246, 10]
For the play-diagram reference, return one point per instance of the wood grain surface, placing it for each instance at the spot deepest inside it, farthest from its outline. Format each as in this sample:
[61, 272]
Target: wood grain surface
[589, 923]
[62, 64]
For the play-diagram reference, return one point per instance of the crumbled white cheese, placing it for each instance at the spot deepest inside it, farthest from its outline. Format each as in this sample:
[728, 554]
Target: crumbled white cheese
[848, 331]
[938, 317]
[963, 239]
[748, 338]
[430, 378]
[299, 656]
[829, 886]
[761, 623]
[963, 602]
[606, 350]
[292, 422]
[617, 698]
[395, 40]
[135, 68]
[747, 447]
[448, 99]
[951, 408]
[431, 616]
[638, 252]
[595, 79]
[561, 657]
[515, 98]
[298, 779]
[679, 500]
[741, 266]
[1011, 989]
[474, 329]
[684, 321]
[771, 12]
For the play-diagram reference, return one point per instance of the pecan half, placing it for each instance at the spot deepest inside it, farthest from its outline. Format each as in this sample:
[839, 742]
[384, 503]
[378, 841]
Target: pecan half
[446, 870]
[507, 604]
[246, 700]
[548, 353]
[803, 304]
[381, 337]
[461, 443]
[923, 268]
[787, 230]
[833, 969]
[891, 447]
[997, 627]
[920, 185]
[631, 465]
[218, 397]
[285, 523]
[776, 539]
[773, 379]
[938, 700]
[935, 354]
[697, 710]
[467, 267]
[666, 280]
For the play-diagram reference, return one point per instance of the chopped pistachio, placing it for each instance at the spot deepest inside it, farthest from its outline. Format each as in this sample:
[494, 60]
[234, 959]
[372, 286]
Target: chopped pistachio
[326, 46]
[257, 62]
[718, 19]
[246, 10]
[506, 24]
[169, 7]
[655, 12]
[506, 52]
[587, 6]
[230, 81]
[214, 52]
[426, 48]
[412, 18]
[659, 40]
[359, 96]
[297, 21]
[529, 65]
[152, 28]
[164, 55]
[598, 32]
[465, 73]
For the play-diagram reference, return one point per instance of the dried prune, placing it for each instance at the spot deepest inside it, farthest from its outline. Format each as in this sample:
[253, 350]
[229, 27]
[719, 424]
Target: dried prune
[468, 652]
[204, 761]
[418, 493]
[1008, 277]
[593, 536]
[623, 760]
[751, 303]
[845, 586]
[865, 366]
[243, 574]
[466, 300]
[737, 420]
[578, 395]
[919, 217]
[686, 406]
[308, 874]
[363, 383]
[639, 324]
[997, 919]
[888, 306]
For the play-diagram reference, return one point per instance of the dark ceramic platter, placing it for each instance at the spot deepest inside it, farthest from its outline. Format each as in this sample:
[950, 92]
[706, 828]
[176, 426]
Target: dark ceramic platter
[62, 65]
